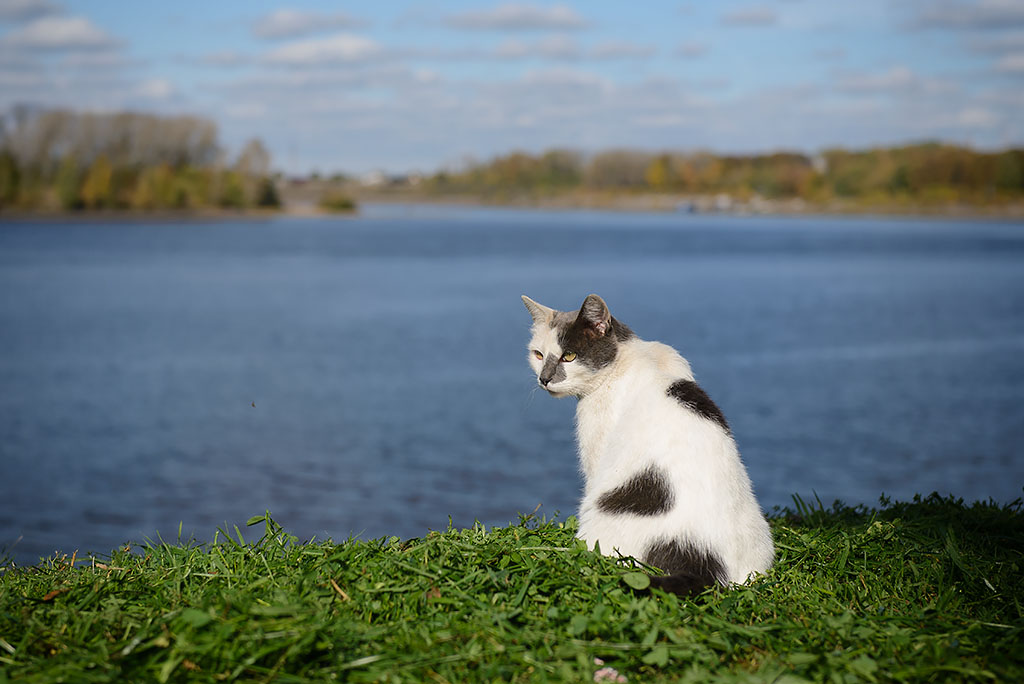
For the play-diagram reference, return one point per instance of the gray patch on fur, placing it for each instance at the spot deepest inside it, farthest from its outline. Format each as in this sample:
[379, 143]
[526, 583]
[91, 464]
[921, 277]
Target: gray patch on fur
[690, 570]
[552, 371]
[646, 493]
[563, 319]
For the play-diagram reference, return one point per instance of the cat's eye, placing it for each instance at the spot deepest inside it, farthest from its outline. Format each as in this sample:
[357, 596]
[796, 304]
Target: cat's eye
[569, 356]
[540, 357]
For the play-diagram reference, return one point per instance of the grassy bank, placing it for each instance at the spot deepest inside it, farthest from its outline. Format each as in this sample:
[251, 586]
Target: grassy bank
[923, 591]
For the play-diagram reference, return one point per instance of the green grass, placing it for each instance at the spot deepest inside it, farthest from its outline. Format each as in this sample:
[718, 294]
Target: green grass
[927, 591]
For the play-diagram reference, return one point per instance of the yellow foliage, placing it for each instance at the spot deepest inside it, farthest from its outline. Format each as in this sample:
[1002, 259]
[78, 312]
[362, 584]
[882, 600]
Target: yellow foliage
[97, 189]
[660, 174]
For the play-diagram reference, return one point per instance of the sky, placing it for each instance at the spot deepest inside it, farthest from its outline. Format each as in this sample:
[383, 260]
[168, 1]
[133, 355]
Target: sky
[418, 86]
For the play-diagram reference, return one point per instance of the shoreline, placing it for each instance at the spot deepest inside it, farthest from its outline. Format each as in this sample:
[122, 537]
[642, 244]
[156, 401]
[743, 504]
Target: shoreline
[653, 204]
[699, 205]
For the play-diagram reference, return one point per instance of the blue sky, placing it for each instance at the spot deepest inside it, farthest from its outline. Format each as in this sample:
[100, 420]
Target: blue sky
[405, 86]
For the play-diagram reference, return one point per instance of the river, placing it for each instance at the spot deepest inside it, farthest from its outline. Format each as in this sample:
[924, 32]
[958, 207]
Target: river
[367, 376]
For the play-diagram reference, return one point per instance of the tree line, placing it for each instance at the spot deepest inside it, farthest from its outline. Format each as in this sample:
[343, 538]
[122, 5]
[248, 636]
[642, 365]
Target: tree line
[923, 173]
[66, 160]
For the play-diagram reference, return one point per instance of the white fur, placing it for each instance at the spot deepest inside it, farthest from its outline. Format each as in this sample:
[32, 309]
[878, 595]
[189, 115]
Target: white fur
[625, 422]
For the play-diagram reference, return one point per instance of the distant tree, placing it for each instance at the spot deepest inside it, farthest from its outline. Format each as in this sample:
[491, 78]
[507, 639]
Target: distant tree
[9, 179]
[187, 191]
[685, 173]
[266, 194]
[69, 184]
[163, 183]
[560, 168]
[1009, 171]
[442, 180]
[337, 202]
[899, 181]
[709, 170]
[782, 174]
[253, 160]
[510, 170]
[144, 195]
[232, 191]
[617, 169]
[660, 173]
[97, 188]
[62, 158]
[253, 168]
[40, 138]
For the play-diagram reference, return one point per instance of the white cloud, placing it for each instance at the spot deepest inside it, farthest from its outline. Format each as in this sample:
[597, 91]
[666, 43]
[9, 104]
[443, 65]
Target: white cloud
[410, 96]
[898, 81]
[95, 59]
[386, 115]
[1011, 64]
[276, 84]
[830, 53]
[246, 110]
[621, 50]
[21, 79]
[760, 15]
[896, 78]
[976, 117]
[426, 76]
[303, 94]
[22, 10]
[68, 84]
[691, 50]
[565, 78]
[291, 23]
[155, 89]
[558, 46]
[549, 47]
[225, 58]
[519, 17]
[59, 33]
[983, 14]
[666, 120]
[1011, 41]
[341, 47]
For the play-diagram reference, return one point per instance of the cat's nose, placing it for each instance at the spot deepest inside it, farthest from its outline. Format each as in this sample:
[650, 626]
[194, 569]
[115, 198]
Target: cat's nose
[544, 381]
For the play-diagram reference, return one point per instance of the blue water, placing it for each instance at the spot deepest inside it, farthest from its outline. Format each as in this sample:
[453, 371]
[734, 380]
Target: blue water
[367, 376]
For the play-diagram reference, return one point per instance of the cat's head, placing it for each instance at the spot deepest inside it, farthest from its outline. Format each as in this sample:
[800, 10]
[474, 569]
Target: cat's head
[571, 350]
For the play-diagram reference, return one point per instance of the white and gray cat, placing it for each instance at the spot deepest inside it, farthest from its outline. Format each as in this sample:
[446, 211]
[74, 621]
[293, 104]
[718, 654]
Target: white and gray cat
[663, 480]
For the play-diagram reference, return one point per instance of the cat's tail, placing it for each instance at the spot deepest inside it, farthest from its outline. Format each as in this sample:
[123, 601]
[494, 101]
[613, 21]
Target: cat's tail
[690, 569]
[683, 584]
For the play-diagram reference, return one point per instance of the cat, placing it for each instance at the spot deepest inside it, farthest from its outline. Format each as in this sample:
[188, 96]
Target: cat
[663, 479]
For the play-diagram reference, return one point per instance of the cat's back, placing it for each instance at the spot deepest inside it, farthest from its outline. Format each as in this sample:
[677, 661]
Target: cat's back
[639, 413]
[647, 370]
[661, 467]
[652, 360]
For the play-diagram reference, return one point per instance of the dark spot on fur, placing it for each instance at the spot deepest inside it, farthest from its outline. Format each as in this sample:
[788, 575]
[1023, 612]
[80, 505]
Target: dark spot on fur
[596, 351]
[689, 394]
[689, 569]
[647, 493]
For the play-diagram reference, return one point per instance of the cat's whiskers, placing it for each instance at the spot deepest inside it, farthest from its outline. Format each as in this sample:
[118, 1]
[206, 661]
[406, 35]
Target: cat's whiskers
[529, 399]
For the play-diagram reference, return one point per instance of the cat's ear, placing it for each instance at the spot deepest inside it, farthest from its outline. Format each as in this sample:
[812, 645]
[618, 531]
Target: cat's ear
[540, 313]
[595, 314]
